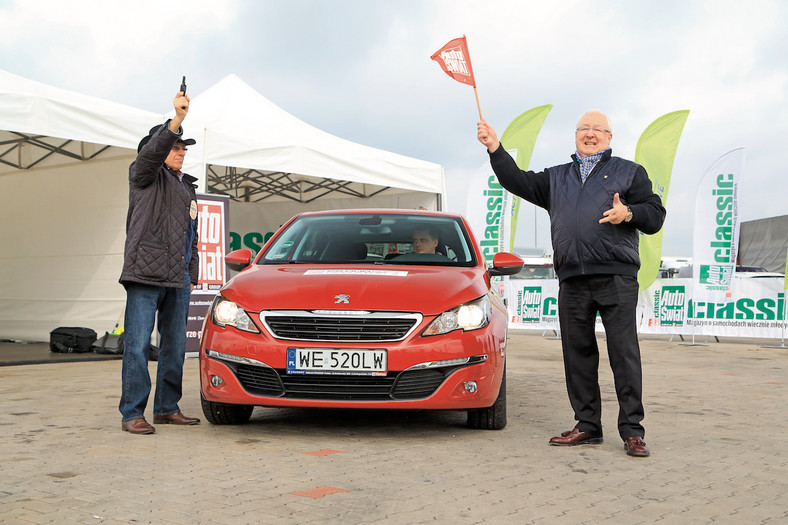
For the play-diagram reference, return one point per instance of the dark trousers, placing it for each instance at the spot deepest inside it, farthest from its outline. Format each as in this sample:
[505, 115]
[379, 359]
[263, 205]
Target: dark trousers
[615, 298]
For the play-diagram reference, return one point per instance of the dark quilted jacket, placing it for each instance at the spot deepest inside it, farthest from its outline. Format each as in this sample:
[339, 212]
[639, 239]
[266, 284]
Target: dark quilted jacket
[158, 218]
[582, 246]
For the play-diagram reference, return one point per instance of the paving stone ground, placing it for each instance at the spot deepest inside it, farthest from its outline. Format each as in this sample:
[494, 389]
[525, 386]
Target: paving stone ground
[714, 421]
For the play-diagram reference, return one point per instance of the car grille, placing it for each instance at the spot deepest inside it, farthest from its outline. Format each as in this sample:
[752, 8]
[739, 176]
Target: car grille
[371, 326]
[259, 380]
[343, 388]
[415, 384]
[409, 384]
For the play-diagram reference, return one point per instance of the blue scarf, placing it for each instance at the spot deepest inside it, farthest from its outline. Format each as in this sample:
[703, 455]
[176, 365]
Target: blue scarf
[588, 163]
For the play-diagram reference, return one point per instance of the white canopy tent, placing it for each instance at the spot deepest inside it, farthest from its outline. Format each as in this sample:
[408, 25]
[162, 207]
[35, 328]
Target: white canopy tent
[64, 157]
[272, 164]
[237, 127]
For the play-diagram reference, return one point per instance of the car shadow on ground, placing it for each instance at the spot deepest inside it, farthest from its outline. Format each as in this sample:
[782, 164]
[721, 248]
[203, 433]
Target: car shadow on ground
[350, 422]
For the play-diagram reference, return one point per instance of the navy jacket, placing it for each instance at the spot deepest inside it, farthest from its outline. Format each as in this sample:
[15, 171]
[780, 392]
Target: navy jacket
[582, 246]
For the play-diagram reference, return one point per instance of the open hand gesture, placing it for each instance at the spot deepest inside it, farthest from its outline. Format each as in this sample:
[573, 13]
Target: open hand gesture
[616, 214]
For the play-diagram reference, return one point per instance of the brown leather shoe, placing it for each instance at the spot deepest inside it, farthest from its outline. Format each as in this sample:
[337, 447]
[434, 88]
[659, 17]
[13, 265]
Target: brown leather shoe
[574, 437]
[635, 446]
[176, 419]
[138, 426]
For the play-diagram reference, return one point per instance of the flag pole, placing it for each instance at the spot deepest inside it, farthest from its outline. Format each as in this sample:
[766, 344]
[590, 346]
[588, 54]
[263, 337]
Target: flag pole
[475, 92]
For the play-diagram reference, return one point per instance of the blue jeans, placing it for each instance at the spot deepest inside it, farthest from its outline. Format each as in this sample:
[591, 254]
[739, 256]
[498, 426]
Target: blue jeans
[142, 304]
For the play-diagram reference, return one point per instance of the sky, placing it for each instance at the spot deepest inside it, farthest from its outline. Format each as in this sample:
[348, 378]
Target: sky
[360, 69]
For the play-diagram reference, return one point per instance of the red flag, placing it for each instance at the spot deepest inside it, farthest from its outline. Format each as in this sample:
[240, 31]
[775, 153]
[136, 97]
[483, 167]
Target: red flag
[455, 60]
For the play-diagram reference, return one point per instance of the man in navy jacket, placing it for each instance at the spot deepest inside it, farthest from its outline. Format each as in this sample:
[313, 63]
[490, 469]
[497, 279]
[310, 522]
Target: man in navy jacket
[597, 204]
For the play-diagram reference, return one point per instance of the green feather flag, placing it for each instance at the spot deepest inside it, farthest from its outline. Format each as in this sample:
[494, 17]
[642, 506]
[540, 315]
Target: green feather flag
[521, 134]
[656, 151]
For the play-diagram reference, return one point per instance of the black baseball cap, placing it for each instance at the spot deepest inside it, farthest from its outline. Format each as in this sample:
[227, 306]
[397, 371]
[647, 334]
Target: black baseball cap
[153, 130]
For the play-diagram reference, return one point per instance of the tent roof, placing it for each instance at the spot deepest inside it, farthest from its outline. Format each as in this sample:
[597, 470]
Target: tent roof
[236, 126]
[34, 113]
[244, 142]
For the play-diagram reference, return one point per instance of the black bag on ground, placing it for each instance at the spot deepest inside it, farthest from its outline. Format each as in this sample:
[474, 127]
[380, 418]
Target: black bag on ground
[109, 344]
[71, 339]
[115, 344]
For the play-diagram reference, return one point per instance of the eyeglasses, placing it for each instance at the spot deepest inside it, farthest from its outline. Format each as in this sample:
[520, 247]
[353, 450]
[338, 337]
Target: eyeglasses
[179, 148]
[596, 130]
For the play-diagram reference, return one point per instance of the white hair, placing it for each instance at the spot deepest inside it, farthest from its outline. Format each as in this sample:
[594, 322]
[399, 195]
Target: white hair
[607, 119]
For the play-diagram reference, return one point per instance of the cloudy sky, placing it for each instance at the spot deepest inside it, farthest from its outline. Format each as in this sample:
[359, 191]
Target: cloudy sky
[360, 69]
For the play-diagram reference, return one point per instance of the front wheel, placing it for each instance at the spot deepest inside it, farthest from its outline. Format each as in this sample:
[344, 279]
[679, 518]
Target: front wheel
[224, 414]
[493, 417]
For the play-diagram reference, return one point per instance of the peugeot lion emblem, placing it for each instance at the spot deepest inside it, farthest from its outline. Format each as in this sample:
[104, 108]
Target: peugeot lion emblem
[342, 298]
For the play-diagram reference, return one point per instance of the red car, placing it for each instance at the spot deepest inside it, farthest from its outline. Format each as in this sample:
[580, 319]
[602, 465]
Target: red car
[339, 309]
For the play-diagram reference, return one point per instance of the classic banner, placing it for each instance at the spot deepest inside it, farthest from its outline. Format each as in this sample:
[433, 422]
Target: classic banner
[656, 151]
[716, 233]
[488, 209]
[757, 308]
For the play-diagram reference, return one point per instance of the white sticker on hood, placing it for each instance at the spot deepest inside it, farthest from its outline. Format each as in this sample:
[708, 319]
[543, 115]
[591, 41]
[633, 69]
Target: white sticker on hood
[387, 273]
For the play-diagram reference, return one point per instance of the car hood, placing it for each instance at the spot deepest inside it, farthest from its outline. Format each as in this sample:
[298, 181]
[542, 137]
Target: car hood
[429, 290]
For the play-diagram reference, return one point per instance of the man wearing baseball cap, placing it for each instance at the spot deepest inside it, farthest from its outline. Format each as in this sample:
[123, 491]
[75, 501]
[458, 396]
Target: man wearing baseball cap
[160, 269]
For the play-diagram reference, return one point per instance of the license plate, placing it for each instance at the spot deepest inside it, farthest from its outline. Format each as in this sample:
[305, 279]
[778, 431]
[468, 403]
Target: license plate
[336, 361]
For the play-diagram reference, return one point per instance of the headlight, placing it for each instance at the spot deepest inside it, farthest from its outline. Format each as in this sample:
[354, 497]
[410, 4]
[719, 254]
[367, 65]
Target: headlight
[470, 316]
[224, 313]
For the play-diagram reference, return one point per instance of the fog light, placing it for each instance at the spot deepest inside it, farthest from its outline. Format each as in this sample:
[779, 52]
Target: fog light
[470, 387]
[217, 381]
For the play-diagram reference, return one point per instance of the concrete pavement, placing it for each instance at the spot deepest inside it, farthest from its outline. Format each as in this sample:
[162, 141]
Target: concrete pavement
[714, 422]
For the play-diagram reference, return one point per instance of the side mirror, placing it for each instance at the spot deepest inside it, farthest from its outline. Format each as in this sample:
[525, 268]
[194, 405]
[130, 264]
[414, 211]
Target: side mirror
[237, 260]
[506, 264]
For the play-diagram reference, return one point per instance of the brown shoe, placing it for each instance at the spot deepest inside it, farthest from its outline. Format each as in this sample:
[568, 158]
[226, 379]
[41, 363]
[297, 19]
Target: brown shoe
[635, 446]
[138, 426]
[575, 437]
[176, 419]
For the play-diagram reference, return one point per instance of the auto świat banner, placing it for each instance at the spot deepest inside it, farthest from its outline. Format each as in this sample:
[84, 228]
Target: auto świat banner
[455, 60]
[533, 303]
[656, 151]
[212, 245]
[716, 232]
[491, 210]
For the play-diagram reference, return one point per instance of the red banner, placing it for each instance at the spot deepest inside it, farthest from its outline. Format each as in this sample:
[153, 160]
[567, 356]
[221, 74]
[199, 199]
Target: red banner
[455, 60]
[212, 243]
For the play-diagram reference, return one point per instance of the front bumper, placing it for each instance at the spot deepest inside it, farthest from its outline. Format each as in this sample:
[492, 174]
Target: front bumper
[252, 368]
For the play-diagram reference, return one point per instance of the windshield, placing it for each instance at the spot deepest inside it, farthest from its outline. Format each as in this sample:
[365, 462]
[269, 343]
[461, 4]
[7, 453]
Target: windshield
[372, 238]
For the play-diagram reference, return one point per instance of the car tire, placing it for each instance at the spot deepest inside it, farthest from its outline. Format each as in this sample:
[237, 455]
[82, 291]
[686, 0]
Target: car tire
[224, 414]
[493, 417]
